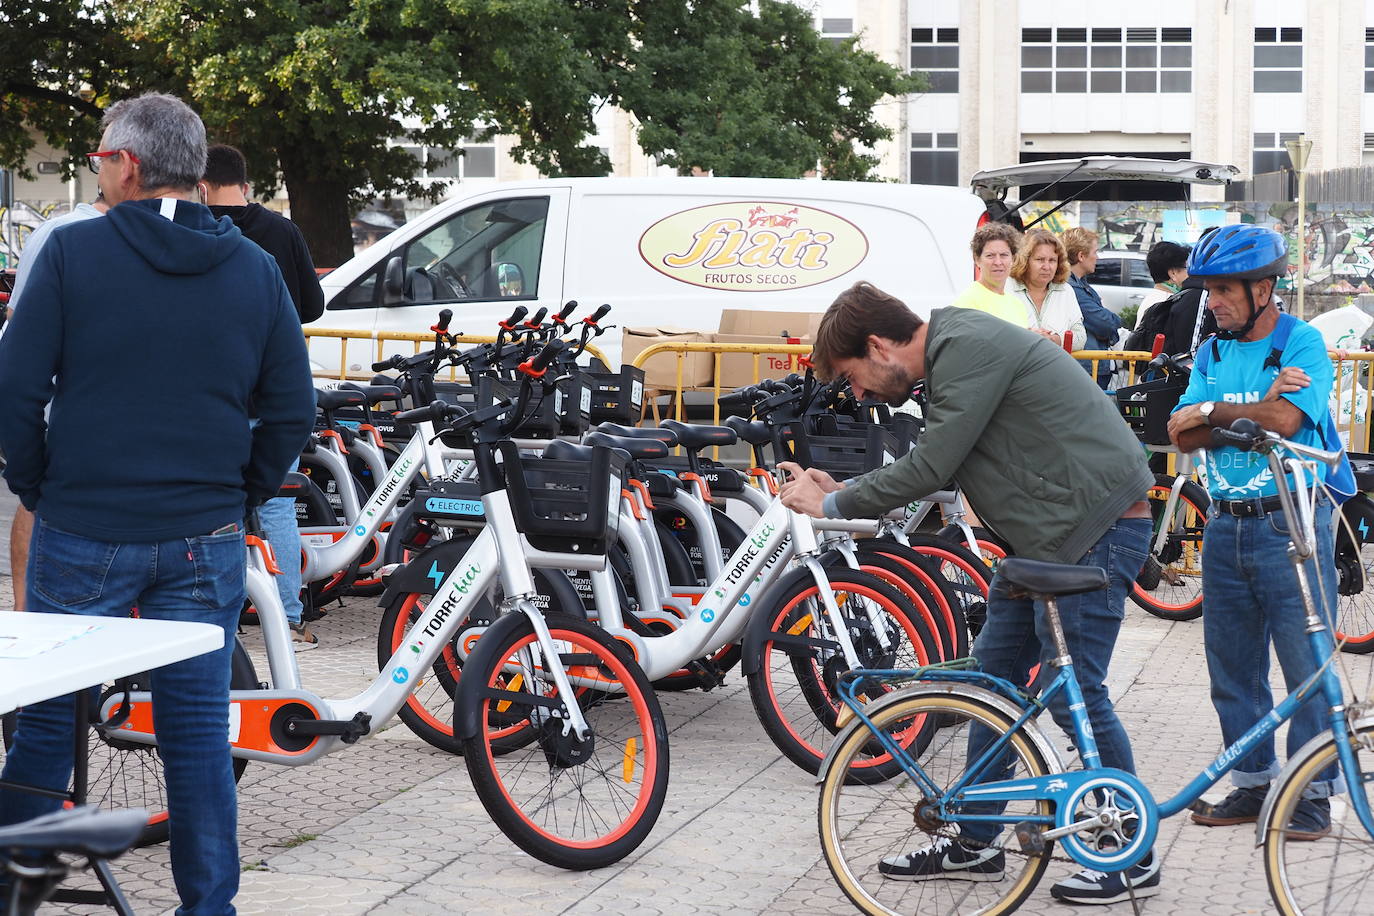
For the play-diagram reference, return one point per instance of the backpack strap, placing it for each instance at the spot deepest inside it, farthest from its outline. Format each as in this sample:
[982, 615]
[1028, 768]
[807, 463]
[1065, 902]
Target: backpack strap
[1281, 333]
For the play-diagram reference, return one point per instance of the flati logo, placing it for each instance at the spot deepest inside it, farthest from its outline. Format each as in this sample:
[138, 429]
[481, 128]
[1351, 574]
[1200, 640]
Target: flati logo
[753, 245]
[400, 675]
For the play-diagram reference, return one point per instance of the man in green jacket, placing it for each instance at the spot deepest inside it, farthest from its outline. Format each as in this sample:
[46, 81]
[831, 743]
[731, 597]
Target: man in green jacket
[1048, 464]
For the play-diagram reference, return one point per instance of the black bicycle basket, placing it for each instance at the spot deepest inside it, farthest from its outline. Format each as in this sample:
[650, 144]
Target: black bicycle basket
[564, 506]
[617, 397]
[1146, 407]
[861, 450]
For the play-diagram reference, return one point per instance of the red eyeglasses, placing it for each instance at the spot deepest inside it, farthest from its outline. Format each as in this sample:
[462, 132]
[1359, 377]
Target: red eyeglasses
[94, 160]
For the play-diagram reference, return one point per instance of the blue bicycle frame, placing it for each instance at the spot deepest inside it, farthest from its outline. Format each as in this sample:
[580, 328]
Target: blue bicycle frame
[1065, 790]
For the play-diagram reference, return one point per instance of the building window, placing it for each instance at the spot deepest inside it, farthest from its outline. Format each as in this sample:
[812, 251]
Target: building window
[935, 52]
[837, 31]
[1369, 60]
[935, 158]
[478, 160]
[1278, 60]
[1270, 154]
[1107, 60]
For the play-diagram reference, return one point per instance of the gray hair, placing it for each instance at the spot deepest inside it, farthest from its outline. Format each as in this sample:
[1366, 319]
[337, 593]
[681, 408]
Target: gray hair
[164, 133]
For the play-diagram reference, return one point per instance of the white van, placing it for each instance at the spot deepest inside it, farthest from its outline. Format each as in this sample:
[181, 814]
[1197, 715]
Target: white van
[674, 251]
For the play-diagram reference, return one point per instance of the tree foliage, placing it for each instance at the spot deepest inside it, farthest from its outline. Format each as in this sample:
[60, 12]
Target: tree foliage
[325, 94]
[718, 89]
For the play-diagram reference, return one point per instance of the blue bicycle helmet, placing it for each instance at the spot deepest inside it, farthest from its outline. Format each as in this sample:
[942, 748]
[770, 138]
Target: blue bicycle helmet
[1245, 252]
[1240, 252]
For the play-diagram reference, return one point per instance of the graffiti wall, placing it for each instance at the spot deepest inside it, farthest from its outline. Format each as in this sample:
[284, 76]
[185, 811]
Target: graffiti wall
[1339, 238]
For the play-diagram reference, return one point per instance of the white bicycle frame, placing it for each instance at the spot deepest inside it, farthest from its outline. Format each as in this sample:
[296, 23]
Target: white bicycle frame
[722, 614]
[500, 554]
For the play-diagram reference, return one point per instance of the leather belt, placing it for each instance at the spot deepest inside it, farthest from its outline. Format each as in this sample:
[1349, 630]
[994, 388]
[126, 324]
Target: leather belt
[1248, 508]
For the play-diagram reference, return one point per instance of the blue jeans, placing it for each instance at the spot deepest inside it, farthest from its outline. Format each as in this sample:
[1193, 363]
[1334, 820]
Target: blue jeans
[1250, 599]
[278, 517]
[198, 579]
[1017, 637]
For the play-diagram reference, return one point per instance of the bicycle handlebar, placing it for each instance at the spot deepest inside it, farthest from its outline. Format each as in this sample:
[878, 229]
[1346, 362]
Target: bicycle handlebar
[515, 316]
[445, 316]
[568, 308]
[538, 319]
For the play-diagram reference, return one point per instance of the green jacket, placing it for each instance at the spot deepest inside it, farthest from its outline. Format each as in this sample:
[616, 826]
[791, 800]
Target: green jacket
[1042, 454]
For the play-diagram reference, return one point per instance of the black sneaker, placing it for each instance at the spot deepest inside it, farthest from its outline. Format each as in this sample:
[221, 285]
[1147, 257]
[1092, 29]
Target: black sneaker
[1311, 819]
[1100, 888]
[1240, 807]
[945, 858]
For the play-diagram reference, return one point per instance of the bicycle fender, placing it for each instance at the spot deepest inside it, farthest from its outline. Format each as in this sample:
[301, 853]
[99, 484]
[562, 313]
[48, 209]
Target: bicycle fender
[429, 568]
[1295, 761]
[757, 633]
[996, 701]
[467, 705]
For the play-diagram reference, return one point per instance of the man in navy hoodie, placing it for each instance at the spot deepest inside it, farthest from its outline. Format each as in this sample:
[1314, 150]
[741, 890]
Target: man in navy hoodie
[151, 331]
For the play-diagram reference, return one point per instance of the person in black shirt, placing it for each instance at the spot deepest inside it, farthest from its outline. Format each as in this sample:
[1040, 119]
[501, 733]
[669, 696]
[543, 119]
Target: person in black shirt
[225, 187]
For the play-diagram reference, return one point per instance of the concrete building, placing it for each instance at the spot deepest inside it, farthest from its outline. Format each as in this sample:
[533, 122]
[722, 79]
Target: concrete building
[1020, 80]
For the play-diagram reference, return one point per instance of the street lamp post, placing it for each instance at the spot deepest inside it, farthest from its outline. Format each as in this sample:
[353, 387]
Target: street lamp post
[1298, 151]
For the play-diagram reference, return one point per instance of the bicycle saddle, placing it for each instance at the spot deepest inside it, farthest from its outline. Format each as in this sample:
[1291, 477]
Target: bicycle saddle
[375, 394]
[755, 432]
[334, 398]
[639, 432]
[84, 831]
[563, 450]
[639, 449]
[1040, 579]
[694, 437]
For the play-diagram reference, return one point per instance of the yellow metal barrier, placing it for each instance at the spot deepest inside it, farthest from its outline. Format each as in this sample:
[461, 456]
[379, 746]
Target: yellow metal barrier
[417, 343]
[651, 393]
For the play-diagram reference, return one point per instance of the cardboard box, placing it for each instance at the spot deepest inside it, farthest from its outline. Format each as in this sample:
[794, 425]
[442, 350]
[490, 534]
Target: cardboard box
[661, 370]
[769, 324]
[752, 326]
[737, 369]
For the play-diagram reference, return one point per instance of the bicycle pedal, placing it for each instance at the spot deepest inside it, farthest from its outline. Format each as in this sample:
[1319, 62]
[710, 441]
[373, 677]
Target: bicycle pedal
[1031, 838]
[711, 677]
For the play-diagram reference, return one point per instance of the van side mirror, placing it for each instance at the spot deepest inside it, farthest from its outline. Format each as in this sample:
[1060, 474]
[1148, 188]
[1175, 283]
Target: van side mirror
[393, 281]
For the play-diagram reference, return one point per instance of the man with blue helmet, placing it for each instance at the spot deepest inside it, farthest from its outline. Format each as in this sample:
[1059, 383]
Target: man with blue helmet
[1271, 368]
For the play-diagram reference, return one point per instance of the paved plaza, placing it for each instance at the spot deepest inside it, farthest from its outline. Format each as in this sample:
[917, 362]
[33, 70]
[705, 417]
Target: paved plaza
[392, 826]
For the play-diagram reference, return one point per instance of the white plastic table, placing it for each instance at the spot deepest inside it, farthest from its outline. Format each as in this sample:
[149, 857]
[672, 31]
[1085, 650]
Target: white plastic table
[51, 655]
[119, 646]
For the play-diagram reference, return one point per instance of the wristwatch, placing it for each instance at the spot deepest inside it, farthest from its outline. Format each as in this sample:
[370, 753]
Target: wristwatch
[1206, 408]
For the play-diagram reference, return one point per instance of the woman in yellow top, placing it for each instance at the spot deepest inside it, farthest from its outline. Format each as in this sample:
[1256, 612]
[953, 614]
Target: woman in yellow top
[993, 246]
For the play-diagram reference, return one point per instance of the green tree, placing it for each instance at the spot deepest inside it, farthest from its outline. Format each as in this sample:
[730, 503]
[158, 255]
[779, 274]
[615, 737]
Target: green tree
[58, 60]
[323, 95]
[717, 88]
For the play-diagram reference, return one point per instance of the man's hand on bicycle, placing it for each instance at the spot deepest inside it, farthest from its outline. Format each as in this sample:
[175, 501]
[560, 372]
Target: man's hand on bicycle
[806, 489]
[1289, 379]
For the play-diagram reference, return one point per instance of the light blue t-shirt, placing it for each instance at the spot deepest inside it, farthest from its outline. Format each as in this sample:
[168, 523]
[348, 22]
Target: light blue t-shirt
[1240, 377]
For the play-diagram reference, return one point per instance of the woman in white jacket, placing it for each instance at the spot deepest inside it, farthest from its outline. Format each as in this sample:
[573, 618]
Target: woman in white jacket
[1037, 281]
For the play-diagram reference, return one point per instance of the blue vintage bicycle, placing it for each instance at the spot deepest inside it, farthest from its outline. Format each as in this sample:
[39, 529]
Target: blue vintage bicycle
[1019, 793]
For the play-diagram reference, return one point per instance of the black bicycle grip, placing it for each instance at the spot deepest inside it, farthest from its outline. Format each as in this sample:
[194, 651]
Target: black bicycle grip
[545, 356]
[435, 411]
[740, 399]
[600, 313]
[445, 316]
[391, 362]
[1243, 434]
[538, 318]
[568, 308]
[519, 313]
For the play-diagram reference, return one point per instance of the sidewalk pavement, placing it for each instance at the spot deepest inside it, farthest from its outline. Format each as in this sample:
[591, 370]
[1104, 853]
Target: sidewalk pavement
[391, 825]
